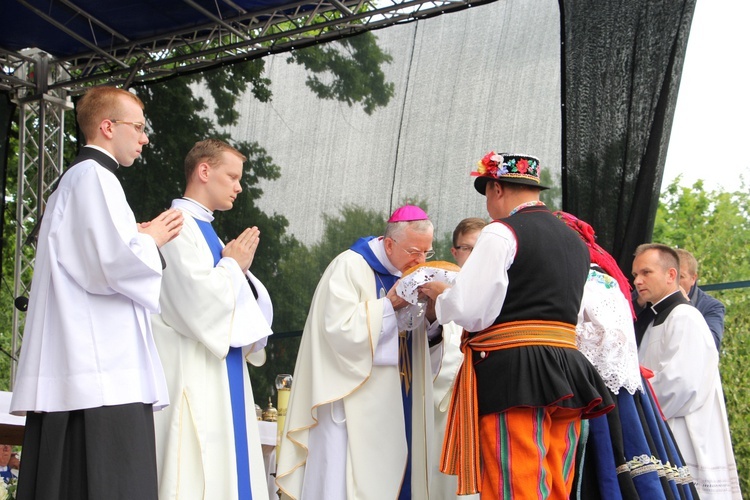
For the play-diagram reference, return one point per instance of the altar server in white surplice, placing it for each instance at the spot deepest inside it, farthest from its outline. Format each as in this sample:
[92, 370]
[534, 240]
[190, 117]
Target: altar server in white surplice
[679, 348]
[214, 315]
[89, 376]
[360, 418]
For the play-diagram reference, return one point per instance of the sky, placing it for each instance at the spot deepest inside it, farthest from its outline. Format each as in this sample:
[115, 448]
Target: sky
[711, 131]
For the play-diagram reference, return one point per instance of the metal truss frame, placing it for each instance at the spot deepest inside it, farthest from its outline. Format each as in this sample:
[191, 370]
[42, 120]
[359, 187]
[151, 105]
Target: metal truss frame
[40, 162]
[42, 85]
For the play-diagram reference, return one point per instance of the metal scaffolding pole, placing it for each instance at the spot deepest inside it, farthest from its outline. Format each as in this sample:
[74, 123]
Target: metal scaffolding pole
[41, 145]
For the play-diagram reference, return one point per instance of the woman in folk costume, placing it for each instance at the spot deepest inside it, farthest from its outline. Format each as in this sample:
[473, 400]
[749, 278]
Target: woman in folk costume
[629, 453]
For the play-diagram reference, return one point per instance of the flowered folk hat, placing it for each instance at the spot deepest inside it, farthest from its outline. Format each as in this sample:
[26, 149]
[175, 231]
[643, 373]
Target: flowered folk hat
[507, 167]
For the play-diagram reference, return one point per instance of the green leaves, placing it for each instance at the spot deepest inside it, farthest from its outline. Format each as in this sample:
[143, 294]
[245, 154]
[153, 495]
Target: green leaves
[348, 70]
[715, 227]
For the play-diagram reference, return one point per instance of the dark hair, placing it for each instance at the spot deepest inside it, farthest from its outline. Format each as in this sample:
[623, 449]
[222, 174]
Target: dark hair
[668, 257]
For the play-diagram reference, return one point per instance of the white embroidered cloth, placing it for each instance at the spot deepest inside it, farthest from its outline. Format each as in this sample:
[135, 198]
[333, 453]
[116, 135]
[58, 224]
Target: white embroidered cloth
[604, 333]
[417, 276]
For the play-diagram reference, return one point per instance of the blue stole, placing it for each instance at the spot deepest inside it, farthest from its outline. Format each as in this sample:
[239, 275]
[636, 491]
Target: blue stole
[384, 281]
[235, 372]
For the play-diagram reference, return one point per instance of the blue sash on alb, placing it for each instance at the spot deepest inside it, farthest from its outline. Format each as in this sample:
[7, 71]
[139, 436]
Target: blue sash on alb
[384, 281]
[235, 372]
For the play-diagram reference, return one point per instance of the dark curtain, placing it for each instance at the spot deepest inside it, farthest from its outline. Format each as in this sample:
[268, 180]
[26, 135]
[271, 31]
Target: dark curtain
[7, 108]
[621, 68]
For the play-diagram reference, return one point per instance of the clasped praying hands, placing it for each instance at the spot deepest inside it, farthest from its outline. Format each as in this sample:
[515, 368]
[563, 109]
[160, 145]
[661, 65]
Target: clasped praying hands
[243, 247]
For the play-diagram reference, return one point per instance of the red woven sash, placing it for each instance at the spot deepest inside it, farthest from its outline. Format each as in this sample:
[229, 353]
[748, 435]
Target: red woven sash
[460, 456]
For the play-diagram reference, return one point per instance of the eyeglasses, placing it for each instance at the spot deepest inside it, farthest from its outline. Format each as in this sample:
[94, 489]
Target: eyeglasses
[138, 126]
[465, 248]
[413, 252]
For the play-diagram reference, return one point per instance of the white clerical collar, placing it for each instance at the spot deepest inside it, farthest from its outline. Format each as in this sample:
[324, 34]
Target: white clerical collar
[99, 148]
[653, 306]
[197, 210]
[378, 248]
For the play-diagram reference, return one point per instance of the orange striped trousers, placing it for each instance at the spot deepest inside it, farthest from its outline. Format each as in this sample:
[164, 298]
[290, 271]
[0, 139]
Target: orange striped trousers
[529, 453]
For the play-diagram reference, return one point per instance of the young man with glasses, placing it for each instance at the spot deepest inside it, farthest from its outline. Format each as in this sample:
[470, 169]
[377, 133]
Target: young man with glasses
[89, 376]
[465, 237]
[360, 421]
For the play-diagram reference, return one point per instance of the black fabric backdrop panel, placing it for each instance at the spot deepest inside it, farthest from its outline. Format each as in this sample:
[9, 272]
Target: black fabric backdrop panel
[622, 63]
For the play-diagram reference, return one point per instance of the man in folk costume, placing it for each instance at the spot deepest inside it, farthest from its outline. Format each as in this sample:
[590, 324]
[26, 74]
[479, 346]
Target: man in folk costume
[678, 347]
[214, 314]
[89, 376]
[359, 423]
[523, 387]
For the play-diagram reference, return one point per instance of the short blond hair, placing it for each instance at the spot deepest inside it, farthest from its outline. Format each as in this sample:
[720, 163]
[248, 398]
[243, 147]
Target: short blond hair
[98, 104]
[209, 151]
[468, 225]
[689, 259]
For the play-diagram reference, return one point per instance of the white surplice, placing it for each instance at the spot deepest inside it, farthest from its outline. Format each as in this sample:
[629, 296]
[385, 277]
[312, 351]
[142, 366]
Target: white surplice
[205, 309]
[682, 354]
[345, 405]
[87, 339]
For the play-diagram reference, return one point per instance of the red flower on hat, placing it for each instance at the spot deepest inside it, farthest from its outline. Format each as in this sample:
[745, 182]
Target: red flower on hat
[522, 165]
[488, 164]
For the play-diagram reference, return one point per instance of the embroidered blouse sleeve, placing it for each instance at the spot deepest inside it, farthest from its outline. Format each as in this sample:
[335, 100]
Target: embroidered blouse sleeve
[604, 333]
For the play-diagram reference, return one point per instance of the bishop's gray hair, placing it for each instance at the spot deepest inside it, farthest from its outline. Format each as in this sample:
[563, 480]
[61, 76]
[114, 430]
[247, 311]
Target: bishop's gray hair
[395, 230]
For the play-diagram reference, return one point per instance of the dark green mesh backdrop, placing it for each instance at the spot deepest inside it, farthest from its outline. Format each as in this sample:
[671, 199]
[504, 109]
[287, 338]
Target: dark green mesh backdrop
[622, 64]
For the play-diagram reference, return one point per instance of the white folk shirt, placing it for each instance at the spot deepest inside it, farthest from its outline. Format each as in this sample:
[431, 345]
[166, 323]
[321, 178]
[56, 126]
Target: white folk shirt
[87, 340]
[476, 299]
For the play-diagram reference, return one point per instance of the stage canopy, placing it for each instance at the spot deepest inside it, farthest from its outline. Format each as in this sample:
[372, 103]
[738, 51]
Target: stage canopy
[588, 85]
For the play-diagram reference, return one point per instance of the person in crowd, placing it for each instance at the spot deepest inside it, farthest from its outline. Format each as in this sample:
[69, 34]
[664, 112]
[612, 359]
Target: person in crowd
[712, 309]
[360, 418]
[443, 485]
[465, 237]
[677, 346]
[522, 379]
[621, 454]
[89, 377]
[8, 463]
[214, 314]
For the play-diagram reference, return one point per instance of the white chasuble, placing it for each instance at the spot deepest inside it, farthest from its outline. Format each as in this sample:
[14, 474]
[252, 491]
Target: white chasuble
[335, 374]
[206, 309]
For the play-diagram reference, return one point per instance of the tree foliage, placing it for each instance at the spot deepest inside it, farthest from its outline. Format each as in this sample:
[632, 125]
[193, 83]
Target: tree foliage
[715, 227]
[353, 76]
